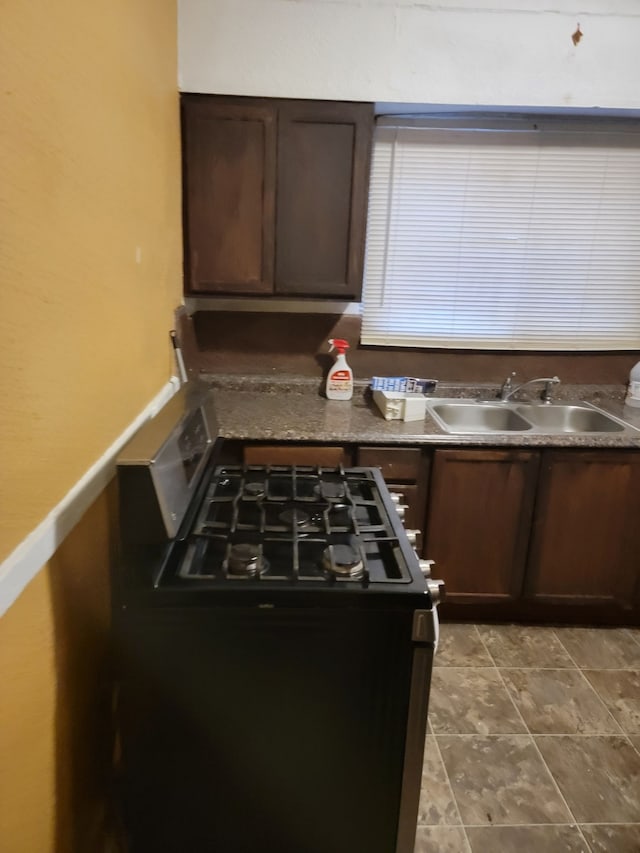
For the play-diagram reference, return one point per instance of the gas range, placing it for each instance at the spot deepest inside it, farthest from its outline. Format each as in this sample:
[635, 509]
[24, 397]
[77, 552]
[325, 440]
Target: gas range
[189, 525]
[257, 612]
[295, 527]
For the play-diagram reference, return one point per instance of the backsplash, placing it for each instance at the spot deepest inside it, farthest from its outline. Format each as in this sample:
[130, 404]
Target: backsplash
[255, 343]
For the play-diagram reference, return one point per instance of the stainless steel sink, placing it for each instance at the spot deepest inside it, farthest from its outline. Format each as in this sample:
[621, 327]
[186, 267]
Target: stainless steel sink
[564, 418]
[473, 417]
[480, 417]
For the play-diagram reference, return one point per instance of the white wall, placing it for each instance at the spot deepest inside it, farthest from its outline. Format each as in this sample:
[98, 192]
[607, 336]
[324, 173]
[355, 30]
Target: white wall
[475, 52]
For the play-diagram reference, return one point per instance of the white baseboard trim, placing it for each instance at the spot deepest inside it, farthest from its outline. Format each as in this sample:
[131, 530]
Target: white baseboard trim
[40, 545]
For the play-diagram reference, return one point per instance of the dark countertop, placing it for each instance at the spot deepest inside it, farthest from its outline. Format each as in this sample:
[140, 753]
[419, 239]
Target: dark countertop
[290, 409]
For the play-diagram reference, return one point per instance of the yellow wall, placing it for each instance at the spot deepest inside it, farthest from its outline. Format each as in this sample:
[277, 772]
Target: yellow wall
[90, 153]
[90, 273]
[55, 732]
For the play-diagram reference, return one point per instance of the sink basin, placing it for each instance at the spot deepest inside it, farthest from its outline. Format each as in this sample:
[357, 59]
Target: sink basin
[457, 415]
[574, 419]
[480, 417]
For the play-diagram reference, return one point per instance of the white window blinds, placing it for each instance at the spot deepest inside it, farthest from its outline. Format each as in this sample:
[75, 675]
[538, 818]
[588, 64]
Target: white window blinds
[517, 234]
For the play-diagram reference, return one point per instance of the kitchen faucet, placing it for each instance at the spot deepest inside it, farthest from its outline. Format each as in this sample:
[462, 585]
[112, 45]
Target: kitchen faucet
[508, 389]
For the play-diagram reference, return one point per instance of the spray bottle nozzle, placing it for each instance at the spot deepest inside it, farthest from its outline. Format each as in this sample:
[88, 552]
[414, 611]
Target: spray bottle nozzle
[339, 344]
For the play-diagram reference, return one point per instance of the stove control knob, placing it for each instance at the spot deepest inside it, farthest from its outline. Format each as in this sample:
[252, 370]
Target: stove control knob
[396, 497]
[425, 567]
[436, 588]
[412, 536]
[401, 510]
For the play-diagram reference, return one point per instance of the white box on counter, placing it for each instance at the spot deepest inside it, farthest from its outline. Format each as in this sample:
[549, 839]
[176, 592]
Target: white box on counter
[401, 405]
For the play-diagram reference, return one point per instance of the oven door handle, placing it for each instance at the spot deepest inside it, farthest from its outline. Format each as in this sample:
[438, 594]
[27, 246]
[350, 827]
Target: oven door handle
[426, 627]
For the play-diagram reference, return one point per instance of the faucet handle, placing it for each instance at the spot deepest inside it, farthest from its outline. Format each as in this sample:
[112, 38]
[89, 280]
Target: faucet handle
[506, 385]
[546, 394]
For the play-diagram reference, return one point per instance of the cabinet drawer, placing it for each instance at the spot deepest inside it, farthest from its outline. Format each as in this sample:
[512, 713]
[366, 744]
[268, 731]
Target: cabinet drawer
[296, 454]
[397, 464]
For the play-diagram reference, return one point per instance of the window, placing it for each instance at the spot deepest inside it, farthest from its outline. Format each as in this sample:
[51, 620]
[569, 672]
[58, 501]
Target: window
[512, 233]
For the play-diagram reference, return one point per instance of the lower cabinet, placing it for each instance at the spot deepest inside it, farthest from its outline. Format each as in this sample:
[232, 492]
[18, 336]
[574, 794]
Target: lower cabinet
[585, 544]
[536, 534]
[478, 521]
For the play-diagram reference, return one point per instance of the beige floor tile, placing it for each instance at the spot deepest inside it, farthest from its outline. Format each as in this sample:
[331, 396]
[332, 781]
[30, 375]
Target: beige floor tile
[441, 839]
[437, 805]
[635, 633]
[620, 691]
[601, 648]
[524, 646]
[460, 645]
[526, 839]
[500, 779]
[472, 701]
[558, 701]
[493, 790]
[599, 776]
[613, 839]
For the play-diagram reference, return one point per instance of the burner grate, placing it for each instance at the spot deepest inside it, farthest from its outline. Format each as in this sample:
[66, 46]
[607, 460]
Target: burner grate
[264, 524]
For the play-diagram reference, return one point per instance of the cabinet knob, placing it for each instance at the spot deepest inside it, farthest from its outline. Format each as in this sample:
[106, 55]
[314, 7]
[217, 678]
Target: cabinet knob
[396, 497]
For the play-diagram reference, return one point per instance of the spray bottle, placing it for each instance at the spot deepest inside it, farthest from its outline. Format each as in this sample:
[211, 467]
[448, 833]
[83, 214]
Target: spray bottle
[340, 378]
[633, 389]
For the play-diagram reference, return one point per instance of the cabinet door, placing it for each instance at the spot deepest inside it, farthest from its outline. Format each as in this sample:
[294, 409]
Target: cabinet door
[478, 521]
[586, 541]
[323, 172]
[229, 151]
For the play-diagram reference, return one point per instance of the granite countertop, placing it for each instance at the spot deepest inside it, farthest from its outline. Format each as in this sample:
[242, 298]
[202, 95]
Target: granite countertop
[255, 408]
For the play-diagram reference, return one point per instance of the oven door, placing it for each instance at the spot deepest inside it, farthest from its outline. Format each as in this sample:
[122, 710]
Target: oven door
[281, 730]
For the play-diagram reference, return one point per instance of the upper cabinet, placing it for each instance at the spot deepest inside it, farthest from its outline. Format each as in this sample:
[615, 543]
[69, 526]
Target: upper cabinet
[275, 196]
[229, 163]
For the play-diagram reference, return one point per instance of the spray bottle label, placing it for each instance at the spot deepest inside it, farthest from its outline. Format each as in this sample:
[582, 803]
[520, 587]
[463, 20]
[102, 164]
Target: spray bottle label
[341, 376]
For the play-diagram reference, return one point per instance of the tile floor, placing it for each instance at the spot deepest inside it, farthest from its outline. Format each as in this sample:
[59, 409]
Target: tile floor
[534, 741]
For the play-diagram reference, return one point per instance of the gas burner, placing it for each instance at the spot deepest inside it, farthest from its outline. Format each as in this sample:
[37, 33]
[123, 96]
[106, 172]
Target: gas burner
[246, 560]
[294, 518]
[254, 490]
[343, 560]
[330, 491]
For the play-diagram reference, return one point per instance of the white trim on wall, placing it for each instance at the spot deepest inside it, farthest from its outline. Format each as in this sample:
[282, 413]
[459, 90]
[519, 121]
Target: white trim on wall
[24, 563]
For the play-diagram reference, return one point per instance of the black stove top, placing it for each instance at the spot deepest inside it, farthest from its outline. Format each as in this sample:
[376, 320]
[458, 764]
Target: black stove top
[293, 526]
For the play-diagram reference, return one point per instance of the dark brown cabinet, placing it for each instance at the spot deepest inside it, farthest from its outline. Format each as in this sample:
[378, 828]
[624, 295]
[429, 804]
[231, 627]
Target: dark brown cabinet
[275, 196]
[551, 535]
[324, 455]
[585, 546]
[478, 522]
[229, 156]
